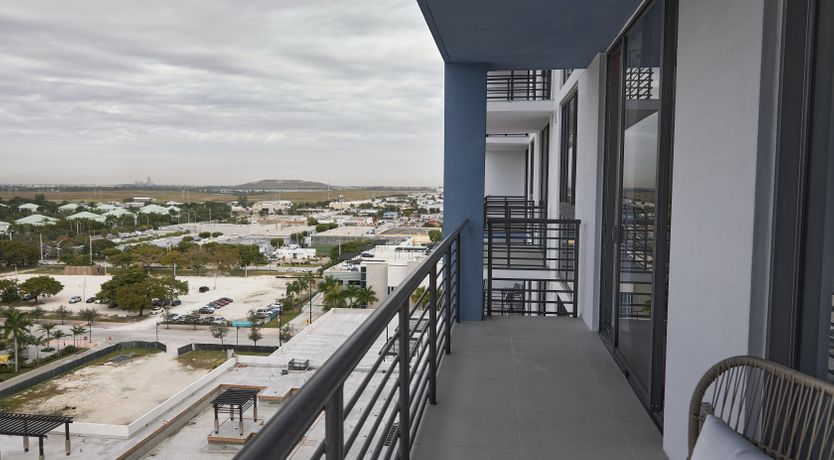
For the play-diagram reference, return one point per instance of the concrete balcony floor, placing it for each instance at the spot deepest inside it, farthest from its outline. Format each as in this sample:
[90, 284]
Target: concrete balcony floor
[534, 388]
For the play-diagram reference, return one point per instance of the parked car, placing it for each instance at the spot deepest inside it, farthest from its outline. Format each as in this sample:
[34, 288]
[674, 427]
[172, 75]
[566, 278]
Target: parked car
[204, 289]
[176, 302]
[219, 320]
[75, 299]
[227, 299]
[206, 310]
[28, 297]
[91, 300]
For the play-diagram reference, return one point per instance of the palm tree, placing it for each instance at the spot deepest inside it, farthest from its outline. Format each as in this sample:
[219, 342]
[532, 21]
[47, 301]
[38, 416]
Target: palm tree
[76, 331]
[366, 297]
[38, 342]
[58, 335]
[351, 292]
[16, 325]
[334, 298]
[47, 330]
[327, 283]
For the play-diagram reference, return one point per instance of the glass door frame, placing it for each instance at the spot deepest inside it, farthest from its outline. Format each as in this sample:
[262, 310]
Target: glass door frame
[802, 254]
[653, 395]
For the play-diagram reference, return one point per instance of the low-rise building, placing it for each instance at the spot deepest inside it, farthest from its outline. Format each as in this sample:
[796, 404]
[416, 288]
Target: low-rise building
[87, 215]
[69, 207]
[293, 252]
[382, 268]
[342, 235]
[31, 207]
[36, 220]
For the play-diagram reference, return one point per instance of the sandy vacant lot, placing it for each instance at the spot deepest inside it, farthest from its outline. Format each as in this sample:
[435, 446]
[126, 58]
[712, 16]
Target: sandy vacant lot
[115, 393]
[248, 293]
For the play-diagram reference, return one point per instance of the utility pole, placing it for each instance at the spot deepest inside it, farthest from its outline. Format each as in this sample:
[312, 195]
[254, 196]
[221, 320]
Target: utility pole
[41, 238]
[91, 248]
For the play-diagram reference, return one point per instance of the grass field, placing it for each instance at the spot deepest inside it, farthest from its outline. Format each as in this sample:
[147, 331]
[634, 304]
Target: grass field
[176, 195]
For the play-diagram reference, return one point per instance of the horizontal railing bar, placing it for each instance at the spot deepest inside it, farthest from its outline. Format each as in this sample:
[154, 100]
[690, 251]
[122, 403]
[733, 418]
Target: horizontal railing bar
[282, 432]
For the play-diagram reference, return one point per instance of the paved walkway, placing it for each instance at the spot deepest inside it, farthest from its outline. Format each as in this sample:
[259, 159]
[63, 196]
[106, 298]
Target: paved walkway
[534, 388]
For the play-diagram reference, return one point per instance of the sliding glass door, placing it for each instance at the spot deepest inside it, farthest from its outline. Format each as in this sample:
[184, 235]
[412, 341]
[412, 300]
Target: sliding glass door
[636, 201]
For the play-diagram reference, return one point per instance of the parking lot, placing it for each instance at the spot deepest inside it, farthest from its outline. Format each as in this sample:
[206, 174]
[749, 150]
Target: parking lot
[254, 292]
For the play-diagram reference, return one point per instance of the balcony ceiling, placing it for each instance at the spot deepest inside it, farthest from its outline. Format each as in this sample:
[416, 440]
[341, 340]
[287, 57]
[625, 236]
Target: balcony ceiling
[525, 34]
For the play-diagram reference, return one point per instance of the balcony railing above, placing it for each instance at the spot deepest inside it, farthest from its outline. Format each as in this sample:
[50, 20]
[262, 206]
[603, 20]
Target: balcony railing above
[518, 85]
[531, 262]
[375, 412]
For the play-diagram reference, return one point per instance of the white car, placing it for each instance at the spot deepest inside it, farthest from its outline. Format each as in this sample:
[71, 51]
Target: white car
[75, 299]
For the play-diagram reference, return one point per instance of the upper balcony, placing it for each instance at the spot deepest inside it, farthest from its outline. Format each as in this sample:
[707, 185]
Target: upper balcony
[518, 101]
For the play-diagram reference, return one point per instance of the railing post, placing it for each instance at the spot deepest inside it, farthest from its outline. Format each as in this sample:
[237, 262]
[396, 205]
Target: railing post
[404, 427]
[457, 279]
[576, 270]
[334, 427]
[447, 297]
[433, 335]
[488, 293]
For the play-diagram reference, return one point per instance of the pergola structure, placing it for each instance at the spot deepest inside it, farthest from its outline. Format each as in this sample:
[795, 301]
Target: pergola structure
[34, 425]
[235, 398]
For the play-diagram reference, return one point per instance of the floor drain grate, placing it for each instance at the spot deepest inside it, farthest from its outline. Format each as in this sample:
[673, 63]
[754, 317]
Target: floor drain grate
[392, 433]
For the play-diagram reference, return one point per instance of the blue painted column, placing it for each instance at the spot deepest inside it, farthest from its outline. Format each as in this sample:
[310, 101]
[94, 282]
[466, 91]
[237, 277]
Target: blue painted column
[463, 174]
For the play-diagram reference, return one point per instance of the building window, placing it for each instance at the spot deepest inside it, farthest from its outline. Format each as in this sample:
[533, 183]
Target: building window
[567, 170]
[566, 73]
[544, 176]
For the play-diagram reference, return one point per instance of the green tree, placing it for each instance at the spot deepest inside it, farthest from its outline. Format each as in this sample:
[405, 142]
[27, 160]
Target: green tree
[37, 313]
[41, 286]
[219, 331]
[276, 242]
[15, 326]
[47, 331]
[76, 331]
[58, 335]
[286, 332]
[9, 290]
[18, 253]
[334, 298]
[62, 313]
[89, 315]
[366, 297]
[216, 234]
[351, 293]
[243, 201]
[255, 335]
[435, 235]
[204, 235]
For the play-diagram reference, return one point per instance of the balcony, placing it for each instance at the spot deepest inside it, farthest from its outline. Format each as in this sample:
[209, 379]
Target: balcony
[518, 101]
[521, 387]
[531, 263]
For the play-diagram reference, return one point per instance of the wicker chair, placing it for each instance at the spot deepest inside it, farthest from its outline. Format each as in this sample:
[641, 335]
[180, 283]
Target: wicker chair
[786, 414]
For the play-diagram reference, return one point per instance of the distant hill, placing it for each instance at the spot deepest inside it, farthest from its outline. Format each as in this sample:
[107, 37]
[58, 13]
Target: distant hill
[275, 184]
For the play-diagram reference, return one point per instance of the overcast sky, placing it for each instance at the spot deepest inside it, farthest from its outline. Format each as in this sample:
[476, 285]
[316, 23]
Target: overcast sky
[219, 92]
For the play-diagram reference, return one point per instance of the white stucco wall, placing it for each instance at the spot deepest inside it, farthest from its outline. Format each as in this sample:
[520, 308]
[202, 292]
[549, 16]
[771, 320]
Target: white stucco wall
[504, 173]
[713, 197]
[590, 87]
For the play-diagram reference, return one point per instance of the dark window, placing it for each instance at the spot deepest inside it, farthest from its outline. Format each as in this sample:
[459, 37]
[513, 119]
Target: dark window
[544, 166]
[566, 73]
[801, 329]
[567, 170]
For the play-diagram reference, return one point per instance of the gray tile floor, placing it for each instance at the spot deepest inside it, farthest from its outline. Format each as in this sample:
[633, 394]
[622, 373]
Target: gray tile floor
[534, 388]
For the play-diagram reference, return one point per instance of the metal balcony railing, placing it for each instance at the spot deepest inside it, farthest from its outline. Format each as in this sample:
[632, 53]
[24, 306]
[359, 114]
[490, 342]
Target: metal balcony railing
[518, 85]
[380, 416]
[532, 263]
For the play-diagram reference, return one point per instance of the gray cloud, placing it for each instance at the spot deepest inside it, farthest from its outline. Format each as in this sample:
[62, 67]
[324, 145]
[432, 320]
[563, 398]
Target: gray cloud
[220, 92]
